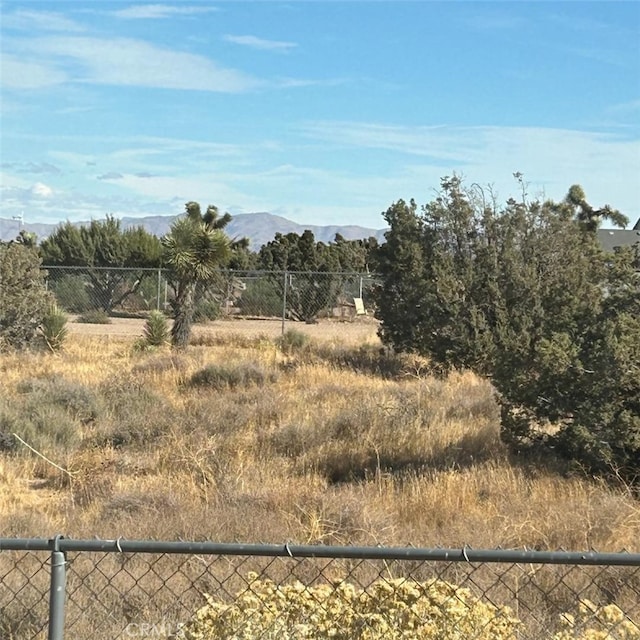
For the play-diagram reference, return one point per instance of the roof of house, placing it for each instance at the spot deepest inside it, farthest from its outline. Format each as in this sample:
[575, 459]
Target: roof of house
[610, 239]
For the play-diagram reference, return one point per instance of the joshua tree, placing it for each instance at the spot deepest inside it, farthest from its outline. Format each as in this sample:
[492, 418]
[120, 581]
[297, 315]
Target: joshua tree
[194, 248]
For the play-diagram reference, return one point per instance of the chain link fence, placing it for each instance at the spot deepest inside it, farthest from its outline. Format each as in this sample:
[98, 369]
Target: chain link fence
[288, 295]
[62, 588]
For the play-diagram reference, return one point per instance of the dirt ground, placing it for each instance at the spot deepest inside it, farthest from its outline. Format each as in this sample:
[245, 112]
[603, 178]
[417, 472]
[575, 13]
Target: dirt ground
[356, 331]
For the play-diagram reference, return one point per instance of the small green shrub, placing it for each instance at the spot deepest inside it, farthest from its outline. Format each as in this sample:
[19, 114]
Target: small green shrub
[292, 341]
[217, 376]
[54, 328]
[156, 329]
[94, 316]
[47, 426]
[206, 311]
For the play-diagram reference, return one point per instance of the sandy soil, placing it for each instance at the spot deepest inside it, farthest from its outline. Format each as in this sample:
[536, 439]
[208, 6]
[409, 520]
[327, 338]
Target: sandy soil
[360, 330]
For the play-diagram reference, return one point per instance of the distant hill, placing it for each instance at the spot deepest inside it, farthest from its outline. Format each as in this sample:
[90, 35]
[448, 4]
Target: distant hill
[260, 228]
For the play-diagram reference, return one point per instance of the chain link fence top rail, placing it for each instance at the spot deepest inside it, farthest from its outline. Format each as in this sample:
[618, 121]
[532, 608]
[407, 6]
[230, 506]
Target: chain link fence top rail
[205, 591]
[289, 295]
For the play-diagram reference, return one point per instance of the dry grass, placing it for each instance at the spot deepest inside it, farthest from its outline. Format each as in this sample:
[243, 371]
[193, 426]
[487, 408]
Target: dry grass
[332, 442]
[337, 443]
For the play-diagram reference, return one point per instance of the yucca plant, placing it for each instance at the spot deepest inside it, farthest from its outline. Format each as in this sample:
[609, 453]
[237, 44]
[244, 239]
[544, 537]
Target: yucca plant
[194, 248]
[156, 329]
[54, 328]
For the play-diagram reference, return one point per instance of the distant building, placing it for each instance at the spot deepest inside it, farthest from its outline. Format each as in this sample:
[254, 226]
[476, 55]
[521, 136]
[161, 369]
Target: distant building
[612, 239]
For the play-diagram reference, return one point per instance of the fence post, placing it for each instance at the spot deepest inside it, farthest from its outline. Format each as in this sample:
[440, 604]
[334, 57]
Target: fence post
[159, 285]
[57, 591]
[284, 301]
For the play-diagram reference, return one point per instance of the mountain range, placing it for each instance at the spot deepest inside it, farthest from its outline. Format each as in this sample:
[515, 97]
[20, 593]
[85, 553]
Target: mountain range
[260, 228]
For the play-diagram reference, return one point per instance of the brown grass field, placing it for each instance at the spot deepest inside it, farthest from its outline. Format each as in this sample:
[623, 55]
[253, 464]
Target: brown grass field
[334, 442]
[242, 438]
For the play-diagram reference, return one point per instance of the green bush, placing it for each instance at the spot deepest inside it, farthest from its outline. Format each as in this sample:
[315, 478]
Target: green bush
[261, 298]
[24, 299]
[525, 296]
[206, 311]
[292, 341]
[217, 376]
[70, 292]
[94, 316]
[134, 414]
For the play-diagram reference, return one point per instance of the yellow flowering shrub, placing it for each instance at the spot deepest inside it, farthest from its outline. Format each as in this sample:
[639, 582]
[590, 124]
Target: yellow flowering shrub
[597, 623]
[389, 610]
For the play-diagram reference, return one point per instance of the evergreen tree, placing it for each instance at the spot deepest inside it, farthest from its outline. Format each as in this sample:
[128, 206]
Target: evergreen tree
[102, 244]
[526, 296]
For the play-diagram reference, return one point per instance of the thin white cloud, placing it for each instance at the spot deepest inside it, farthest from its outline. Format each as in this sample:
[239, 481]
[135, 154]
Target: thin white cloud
[159, 11]
[129, 62]
[606, 165]
[41, 190]
[405, 162]
[625, 107]
[39, 21]
[260, 43]
[25, 74]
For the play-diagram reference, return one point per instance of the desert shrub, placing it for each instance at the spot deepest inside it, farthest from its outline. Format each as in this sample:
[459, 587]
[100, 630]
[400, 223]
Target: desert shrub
[47, 426]
[9, 422]
[388, 609]
[135, 415]
[94, 316]
[156, 329]
[292, 341]
[54, 328]
[8, 443]
[217, 376]
[593, 622]
[47, 413]
[70, 292]
[78, 400]
[25, 300]
[206, 310]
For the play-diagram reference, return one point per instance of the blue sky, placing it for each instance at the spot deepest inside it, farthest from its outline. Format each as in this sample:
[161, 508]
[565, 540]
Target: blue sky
[322, 112]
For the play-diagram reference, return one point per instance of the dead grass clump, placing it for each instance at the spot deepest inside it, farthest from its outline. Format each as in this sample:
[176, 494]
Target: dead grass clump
[354, 437]
[372, 359]
[160, 364]
[236, 340]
